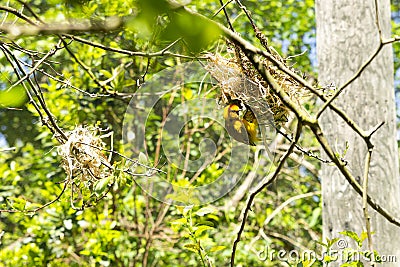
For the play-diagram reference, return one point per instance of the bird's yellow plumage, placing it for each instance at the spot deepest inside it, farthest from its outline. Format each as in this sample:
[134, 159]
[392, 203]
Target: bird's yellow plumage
[243, 129]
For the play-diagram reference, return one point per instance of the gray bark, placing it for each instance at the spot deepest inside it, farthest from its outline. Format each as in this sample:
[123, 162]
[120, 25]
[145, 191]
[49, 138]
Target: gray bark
[347, 35]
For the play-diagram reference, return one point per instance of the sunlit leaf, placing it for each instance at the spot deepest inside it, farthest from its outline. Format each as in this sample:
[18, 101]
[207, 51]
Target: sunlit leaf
[206, 210]
[101, 186]
[14, 97]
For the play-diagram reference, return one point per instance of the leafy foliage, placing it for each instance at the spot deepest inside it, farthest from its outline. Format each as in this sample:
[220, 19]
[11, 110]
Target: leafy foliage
[89, 81]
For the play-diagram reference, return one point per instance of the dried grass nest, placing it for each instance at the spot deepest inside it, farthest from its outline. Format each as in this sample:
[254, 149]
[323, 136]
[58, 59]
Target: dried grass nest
[82, 155]
[239, 80]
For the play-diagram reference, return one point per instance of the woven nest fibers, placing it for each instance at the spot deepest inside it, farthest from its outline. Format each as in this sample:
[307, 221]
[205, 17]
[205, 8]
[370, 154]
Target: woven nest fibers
[82, 155]
[244, 83]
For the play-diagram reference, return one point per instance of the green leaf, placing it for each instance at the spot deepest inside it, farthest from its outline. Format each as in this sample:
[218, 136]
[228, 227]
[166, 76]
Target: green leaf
[206, 210]
[187, 93]
[201, 229]
[197, 32]
[178, 224]
[17, 203]
[307, 263]
[85, 252]
[180, 209]
[143, 158]
[364, 235]
[106, 73]
[14, 97]
[352, 264]
[187, 209]
[217, 248]
[353, 236]
[329, 242]
[101, 186]
[192, 247]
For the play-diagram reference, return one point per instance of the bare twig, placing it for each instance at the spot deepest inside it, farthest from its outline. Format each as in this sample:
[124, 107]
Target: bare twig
[267, 181]
[18, 14]
[49, 121]
[228, 20]
[41, 207]
[365, 200]
[8, 149]
[222, 7]
[161, 53]
[110, 24]
[260, 36]
[349, 177]
[287, 202]
[351, 80]
[83, 65]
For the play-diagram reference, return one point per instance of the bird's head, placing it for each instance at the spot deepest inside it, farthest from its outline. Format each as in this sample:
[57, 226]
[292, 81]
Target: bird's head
[231, 111]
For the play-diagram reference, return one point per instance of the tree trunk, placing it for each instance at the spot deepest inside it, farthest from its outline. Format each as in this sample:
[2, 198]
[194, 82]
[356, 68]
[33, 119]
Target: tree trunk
[347, 35]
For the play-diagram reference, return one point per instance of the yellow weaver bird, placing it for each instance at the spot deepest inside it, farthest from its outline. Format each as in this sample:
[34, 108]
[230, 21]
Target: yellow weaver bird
[243, 129]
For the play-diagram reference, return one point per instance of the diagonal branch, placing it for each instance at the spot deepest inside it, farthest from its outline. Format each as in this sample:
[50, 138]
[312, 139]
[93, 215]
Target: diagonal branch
[49, 121]
[351, 80]
[18, 14]
[267, 181]
[349, 177]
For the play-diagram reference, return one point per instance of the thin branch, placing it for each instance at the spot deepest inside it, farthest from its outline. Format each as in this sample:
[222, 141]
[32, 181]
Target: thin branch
[365, 200]
[87, 69]
[378, 24]
[349, 177]
[221, 8]
[309, 153]
[287, 202]
[68, 84]
[245, 183]
[160, 53]
[350, 81]
[30, 10]
[382, 43]
[135, 162]
[8, 54]
[228, 20]
[391, 40]
[110, 24]
[260, 36]
[369, 133]
[18, 14]
[267, 181]
[41, 207]
[8, 149]
[53, 126]
[287, 239]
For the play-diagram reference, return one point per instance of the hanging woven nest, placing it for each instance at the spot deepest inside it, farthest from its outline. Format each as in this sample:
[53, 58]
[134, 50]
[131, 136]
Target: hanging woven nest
[238, 80]
[82, 156]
